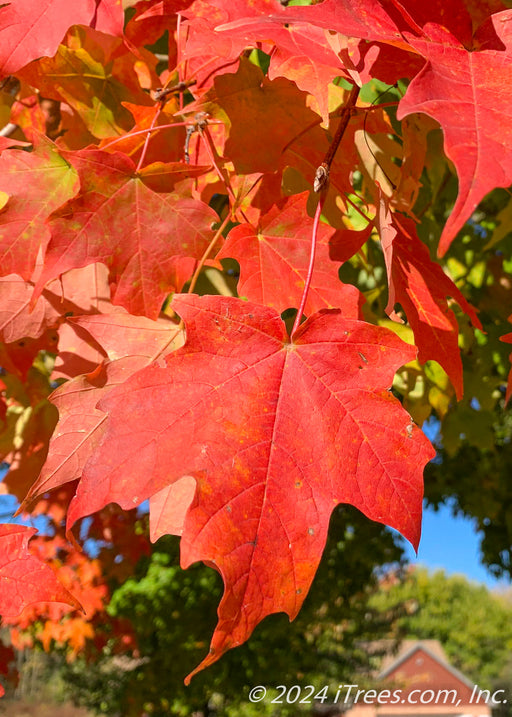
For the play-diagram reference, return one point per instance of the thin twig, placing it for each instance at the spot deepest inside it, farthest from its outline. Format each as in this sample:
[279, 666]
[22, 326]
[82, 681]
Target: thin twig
[161, 94]
[8, 129]
[322, 172]
[145, 131]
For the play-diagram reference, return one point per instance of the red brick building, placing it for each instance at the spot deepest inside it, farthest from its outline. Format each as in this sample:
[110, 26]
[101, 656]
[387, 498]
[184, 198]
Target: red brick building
[420, 681]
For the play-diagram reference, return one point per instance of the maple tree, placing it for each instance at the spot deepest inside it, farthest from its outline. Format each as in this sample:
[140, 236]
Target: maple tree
[286, 147]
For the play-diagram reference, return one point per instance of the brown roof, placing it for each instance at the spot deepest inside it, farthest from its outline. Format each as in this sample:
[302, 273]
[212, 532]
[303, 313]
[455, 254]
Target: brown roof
[431, 647]
[406, 646]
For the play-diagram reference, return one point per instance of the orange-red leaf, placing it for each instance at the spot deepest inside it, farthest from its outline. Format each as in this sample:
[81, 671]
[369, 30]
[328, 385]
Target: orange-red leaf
[264, 116]
[421, 287]
[367, 19]
[274, 262]
[24, 579]
[30, 29]
[37, 183]
[464, 91]
[94, 74]
[141, 235]
[276, 434]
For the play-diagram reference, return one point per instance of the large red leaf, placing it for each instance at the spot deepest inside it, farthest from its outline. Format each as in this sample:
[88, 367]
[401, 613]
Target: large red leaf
[366, 19]
[37, 183]
[24, 578]
[30, 29]
[141, 235]
[381, 20]
[276, 433]
[301, 52]
[296, 34]
[466, 92]
[274, 262]
[421, 287]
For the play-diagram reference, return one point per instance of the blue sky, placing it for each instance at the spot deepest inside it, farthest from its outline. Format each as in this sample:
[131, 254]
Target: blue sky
[452, 544]
[448, 542]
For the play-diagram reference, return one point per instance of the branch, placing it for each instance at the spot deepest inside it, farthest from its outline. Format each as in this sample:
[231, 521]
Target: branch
[322, 172]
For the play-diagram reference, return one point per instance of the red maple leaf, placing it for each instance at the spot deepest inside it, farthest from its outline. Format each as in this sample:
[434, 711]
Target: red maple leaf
[366, 19]
[131, 343]
[24, 578]
[141, 235]
[421, 287]
[94, 74]
[29, 29]
[463, 91]
[22, 223]
[264, 116]
[274, 262]
[276, 434]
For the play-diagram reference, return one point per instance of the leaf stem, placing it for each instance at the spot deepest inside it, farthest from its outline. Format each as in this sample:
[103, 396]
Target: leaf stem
[207, 253]
[309, 276]
[320, 185]
[146, 141]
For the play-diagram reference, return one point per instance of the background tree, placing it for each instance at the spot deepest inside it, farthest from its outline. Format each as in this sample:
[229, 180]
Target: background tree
[472, 624]
[170, 617]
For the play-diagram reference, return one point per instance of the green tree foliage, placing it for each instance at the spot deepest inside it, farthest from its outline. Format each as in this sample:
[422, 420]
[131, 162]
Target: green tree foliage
[473, 625]
[476, 479]
[172, 611]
